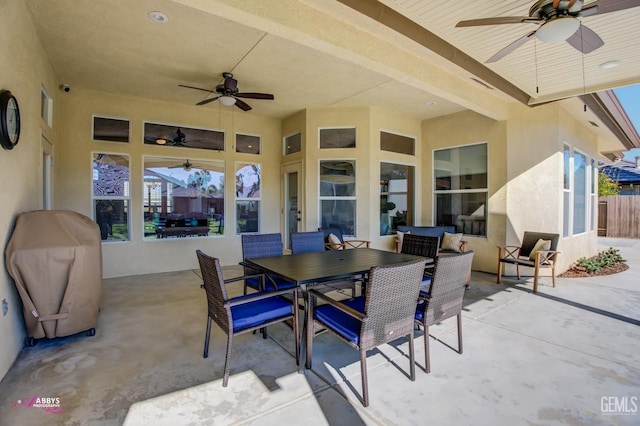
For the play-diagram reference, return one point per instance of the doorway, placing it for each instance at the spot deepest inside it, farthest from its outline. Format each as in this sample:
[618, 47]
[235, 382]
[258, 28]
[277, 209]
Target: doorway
[292, 176]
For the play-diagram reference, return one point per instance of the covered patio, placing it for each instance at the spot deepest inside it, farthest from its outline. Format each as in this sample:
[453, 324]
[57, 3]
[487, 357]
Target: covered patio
[567, 355]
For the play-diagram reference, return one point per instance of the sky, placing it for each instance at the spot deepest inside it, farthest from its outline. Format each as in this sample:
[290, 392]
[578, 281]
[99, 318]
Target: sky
[629, 97]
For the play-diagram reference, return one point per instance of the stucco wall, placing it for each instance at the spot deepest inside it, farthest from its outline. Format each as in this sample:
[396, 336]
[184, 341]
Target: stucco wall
[467, 128]
[73, 173]
[23, 70]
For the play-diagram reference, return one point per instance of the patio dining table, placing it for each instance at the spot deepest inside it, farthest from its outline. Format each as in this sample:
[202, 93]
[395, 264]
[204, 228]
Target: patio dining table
[307, 269]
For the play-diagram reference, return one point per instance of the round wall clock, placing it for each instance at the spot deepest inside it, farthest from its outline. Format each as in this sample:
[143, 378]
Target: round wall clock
[9, 120]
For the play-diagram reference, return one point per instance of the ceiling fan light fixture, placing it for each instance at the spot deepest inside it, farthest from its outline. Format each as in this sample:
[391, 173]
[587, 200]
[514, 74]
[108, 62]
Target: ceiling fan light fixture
[161, 141]
[558, 29]
[227, 100]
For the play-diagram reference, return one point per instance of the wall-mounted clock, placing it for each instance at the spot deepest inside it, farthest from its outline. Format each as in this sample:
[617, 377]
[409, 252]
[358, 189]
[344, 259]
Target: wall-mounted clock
[9, 120]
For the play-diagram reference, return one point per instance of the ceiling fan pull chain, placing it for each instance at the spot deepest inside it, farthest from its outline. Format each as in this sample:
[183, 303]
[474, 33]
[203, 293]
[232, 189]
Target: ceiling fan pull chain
[535, 56]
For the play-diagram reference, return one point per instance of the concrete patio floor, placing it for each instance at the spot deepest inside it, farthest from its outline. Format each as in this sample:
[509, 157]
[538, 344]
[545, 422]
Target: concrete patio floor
[567, 355]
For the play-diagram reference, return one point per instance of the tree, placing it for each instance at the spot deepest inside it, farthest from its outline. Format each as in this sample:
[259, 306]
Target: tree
[606, 185]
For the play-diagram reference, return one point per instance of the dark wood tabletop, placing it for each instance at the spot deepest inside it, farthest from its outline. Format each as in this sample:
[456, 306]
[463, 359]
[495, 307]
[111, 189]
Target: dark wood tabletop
[307, 268]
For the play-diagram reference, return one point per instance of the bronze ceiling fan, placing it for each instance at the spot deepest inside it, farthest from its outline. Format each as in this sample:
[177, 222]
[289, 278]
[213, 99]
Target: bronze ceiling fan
[559, 20]
[228, 93]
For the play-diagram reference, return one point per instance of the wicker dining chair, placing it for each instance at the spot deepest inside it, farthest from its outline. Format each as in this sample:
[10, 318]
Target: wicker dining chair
[421, 245]
[263, 245]
[310, 242]
[385, 313]
[444, 298]
[242, 314]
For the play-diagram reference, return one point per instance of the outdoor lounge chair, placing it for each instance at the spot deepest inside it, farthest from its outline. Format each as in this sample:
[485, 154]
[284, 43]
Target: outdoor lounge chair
[538, 250]
[242, 314]
[444, 298]
[385, 313]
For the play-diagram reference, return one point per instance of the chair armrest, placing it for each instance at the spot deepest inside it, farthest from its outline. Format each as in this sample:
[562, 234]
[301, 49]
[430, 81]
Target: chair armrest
[356, 243]
[341, 306]
[546, 257]
[244, 277]
[259, 296]
[335, 246]
[510, 252]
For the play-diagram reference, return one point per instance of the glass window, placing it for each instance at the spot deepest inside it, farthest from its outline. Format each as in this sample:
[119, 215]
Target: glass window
[183, 137]
[338, 195]
[111, 195]
[397, 143]
[182, 198]
[396, 197]
[460, 188]
[566, 195]
[110, 129]
[248, 144]
[338, 138]
[293, 143]
[580, 185]
[248, 196]
[594, 193]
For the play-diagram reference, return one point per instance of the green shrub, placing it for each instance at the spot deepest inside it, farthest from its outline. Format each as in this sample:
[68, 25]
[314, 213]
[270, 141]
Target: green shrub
[604, 259]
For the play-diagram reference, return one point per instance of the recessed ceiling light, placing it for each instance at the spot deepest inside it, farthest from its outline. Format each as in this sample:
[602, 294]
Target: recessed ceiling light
[610, 64]
[158, 17]
[431, 103]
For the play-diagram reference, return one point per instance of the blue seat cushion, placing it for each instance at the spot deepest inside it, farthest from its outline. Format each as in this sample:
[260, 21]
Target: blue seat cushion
[424, 287]
[342, 323]
[422, 305]
[282, 284]
[256, 313]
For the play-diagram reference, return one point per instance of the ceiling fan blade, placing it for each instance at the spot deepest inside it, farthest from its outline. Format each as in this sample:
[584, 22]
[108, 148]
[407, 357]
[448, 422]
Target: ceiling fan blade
[196, 88]
[242, 105]
[250, 95]
[497, 21]
[585, 40]
[600, 7]
[206, 101]
[510, 48]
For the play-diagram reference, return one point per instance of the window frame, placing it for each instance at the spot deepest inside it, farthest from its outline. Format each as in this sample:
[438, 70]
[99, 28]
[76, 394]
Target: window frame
[484, 190]
[178, 160]
[247, 199]
[126, 197]
[353, 198]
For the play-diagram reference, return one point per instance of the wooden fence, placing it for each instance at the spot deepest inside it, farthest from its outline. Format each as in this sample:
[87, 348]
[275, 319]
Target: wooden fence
[619, 216]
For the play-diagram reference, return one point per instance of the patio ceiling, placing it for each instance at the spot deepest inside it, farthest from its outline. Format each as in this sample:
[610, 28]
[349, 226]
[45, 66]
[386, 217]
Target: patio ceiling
[319, 53]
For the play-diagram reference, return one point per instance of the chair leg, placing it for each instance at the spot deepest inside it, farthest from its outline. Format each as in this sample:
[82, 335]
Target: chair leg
[225, 377]
[412, 359]
[535, 280]
[459, 333]
[207, 335]
[309, 339]
[518, 271]
[499, 271]
[553, 276]
[296, 329]
[365, 386]
[427, 361]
